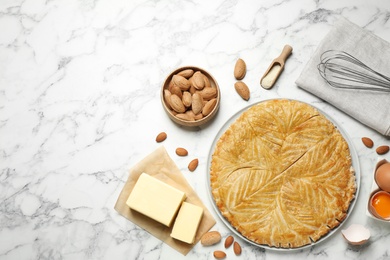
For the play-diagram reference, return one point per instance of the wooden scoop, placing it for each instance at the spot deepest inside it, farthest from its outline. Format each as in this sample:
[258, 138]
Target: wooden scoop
[275, 68]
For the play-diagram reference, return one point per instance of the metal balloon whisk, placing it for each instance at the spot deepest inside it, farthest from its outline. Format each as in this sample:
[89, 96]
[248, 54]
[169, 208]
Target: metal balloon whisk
[342, 70]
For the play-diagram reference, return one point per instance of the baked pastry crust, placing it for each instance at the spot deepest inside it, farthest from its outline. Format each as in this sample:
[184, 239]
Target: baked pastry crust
[282, 174]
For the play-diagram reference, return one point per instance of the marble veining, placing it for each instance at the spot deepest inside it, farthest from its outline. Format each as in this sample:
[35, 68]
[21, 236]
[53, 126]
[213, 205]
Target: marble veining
[80, 105]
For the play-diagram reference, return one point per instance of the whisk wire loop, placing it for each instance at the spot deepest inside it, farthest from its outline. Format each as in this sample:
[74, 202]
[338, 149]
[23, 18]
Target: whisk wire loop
[342, 70]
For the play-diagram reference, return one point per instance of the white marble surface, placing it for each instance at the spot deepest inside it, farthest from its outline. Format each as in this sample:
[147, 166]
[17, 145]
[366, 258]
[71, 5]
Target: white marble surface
[80, 104]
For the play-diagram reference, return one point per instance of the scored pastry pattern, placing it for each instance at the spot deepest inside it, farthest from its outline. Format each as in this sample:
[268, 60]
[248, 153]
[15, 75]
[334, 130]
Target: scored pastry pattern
[282, 174]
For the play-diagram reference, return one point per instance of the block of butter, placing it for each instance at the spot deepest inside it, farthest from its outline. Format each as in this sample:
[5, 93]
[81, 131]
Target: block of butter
[187, 222]
[155, 199]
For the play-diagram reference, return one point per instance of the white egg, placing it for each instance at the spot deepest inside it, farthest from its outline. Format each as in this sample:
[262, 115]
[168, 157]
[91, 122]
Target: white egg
[356, 234]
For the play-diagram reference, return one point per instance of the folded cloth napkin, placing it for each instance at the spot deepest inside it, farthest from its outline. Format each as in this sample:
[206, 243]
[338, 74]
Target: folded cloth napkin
[371, 108]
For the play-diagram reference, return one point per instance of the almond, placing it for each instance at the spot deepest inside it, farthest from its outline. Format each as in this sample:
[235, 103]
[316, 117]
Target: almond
[236, 248]
[185, 116]
[208, 93]
[187, 99]
[197, 103]
[367, 142]
[229, 241]
[242, 89]
[181, 82]
[206, 81]
[167, 98]
[181, 151]
[382, 149]
[197, 80]
[210, 238]
[186, 73]
[219, 254]
[177, 104]
[161, 137]
[240, 69]
[176, 90]
[193, 165]
[209, 106]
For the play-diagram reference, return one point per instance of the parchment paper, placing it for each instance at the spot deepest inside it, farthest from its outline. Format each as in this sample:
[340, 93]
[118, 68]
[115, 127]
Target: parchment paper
[159, 165]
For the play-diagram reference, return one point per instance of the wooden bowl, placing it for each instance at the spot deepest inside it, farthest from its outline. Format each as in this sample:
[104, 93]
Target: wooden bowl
[193, 122]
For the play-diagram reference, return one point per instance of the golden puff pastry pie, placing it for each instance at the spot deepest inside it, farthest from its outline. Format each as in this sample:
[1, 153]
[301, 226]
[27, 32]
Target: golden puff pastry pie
[282, 174]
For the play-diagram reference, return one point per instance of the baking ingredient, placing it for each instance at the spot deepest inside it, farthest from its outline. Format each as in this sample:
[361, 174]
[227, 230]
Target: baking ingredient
[240, 69]
[197, 103]
[209, 106]
[193, 165]
[208, 93]
[383, 149]
[177, 104]
[210, 238]
[181, 82]
[185, 116]
[242, 89]
[382, 176]
[187, 73]
[229, 241]
[187, 222]
[194, 89]
[219, 254]
[161, 137]
[181, 151]
[269, 80]
[198, 80]
[236, 248]
[167, 98]
[380, 205]
[367, 142]
[176, 90]
[187, 99]
[155, 199]
[356, 234]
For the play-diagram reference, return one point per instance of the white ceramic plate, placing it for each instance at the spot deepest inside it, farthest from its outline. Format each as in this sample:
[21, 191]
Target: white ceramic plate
[355, 164]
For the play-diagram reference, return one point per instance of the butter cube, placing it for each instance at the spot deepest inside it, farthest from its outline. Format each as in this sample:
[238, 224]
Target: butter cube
[155, 199]
[187, 223]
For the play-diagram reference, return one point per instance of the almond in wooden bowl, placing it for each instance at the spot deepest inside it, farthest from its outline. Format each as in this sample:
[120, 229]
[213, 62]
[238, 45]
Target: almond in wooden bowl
[198, 100]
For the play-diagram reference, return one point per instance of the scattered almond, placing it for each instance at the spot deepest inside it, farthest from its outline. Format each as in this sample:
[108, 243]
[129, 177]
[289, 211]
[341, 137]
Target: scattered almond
[383, 149]
[161, 137]
[240, 69]
[242, 89]
[219, 254]
[367, 142]
[177, 104]
[210, 238]
[193, 165]
[229, 241]
[181, 151]
[236, 248]
[209, 106]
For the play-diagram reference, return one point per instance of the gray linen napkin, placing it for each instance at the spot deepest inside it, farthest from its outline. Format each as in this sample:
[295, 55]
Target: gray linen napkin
[369, 107]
